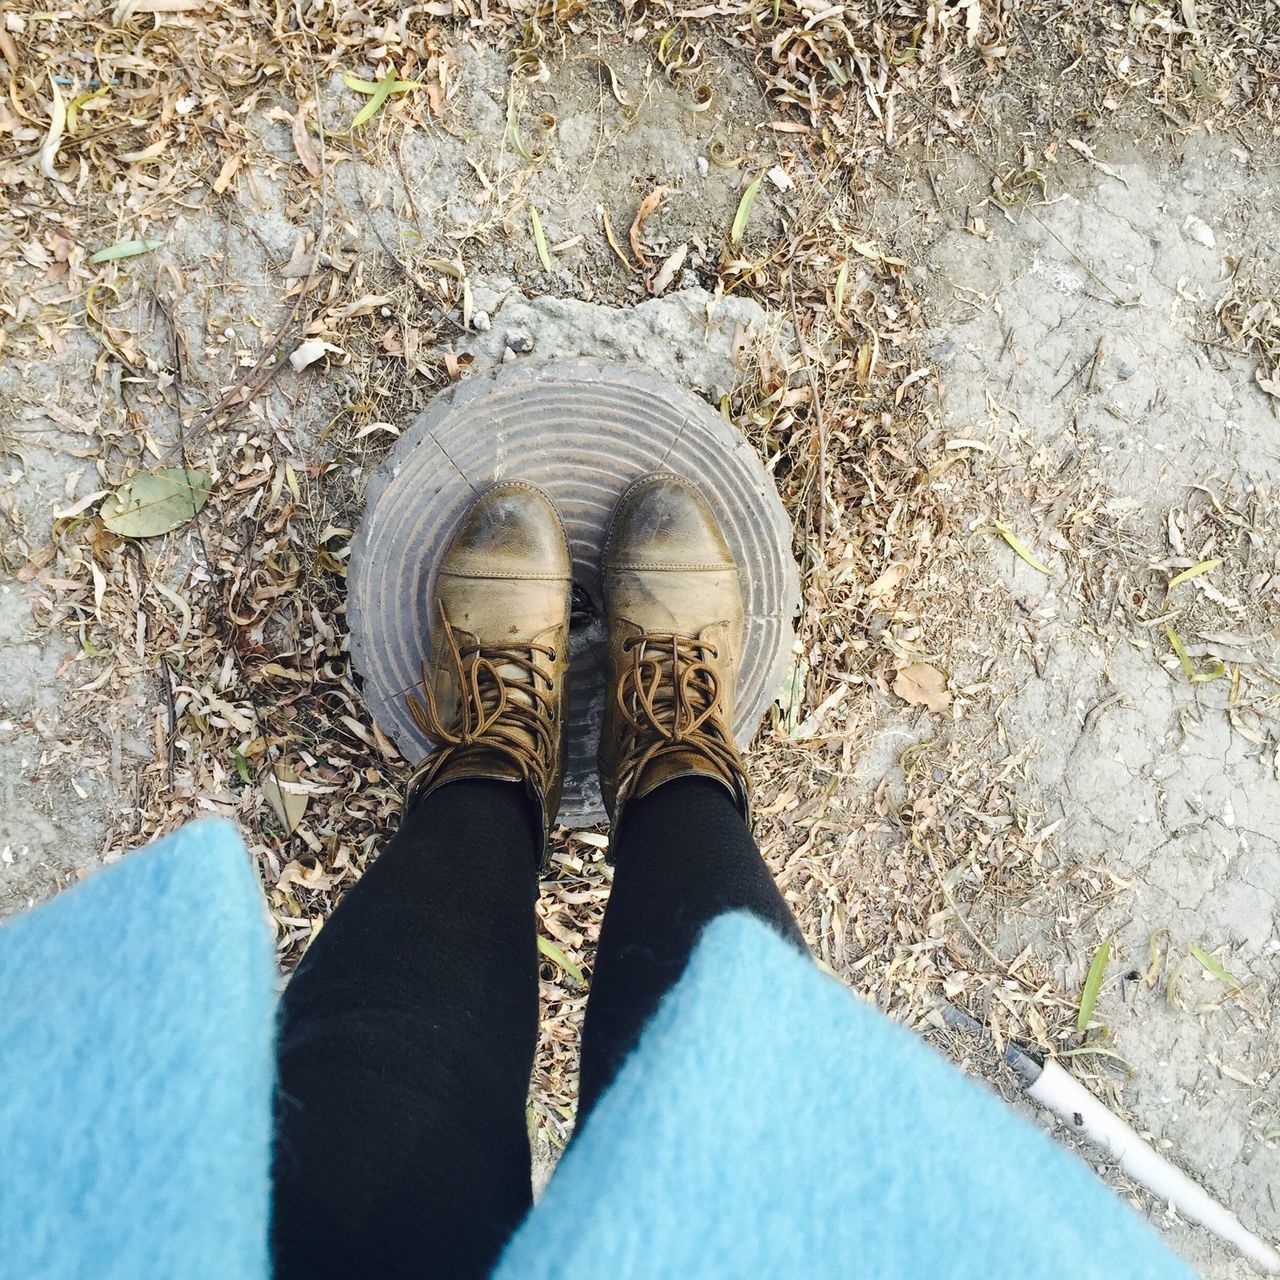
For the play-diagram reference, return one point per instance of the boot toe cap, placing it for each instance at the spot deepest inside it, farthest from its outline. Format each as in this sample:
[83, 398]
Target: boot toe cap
[511, 530]
[664, 520]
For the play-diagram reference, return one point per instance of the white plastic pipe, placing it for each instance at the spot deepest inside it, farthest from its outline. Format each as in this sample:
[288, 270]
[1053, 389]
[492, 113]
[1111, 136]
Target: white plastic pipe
[1066, 1097]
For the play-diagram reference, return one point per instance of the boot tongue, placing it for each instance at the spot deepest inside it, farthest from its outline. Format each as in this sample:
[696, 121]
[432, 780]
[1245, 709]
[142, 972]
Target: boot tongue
[683, 751]
[513, 676]
[657, 657]
[493, 677]
[496, 675]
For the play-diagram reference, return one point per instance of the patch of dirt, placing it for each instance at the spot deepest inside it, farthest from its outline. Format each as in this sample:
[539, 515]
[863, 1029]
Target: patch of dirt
[52, 791]
[1092, 405]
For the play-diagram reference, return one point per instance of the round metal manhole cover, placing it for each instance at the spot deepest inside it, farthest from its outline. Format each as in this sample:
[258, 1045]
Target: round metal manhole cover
[583, 431]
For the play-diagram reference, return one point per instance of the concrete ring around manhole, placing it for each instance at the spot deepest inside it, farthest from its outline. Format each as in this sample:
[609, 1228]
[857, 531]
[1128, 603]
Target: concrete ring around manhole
[583, 431]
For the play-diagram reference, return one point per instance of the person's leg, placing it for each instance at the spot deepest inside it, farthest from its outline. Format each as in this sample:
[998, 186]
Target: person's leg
[685, 857]
[406, 1042]
[670, 772]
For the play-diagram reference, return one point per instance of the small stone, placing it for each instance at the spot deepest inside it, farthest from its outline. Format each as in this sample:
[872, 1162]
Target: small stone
[480, 322]
[1195, 229]
[520, 341]
[508, 356]
[702, 166]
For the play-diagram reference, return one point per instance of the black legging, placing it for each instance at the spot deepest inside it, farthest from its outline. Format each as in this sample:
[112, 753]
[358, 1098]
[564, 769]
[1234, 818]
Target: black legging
[408, 1031]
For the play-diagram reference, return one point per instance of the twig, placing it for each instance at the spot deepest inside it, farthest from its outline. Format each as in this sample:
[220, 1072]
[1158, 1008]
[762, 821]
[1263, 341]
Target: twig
[234, 402]
[960, 916]
[424, 294]
[819, 419]
[1093, 359]
[253, 385]
[1097, 362]
[145, 584]
[173, 717]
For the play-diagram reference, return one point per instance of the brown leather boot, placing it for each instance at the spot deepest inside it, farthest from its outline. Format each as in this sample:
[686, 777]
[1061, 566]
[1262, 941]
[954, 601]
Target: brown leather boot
[674, 609]
[495, 684]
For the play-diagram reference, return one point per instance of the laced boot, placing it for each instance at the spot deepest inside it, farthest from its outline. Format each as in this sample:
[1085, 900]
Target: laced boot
[494, 697]
[674, 608]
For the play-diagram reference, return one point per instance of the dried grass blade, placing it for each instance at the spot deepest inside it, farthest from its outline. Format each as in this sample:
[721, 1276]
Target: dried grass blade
[613, 240]
[1195, 571]
[744, 210]
[1211, 966]
[540, 240]
[1020, 549]
[1099, 1049]
[1093, 984]
[557, 956]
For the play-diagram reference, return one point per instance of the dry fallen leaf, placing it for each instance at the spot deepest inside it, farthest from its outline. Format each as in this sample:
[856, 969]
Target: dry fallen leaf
[146, 154]
[226, 173]
[154, 502]
[308, 352]
[300, 263]
[130, 8]
[923, 686]
[781, 178]
[9, 49]
[888, 581]
[362, 306]
[1198, 230]
[302, 143]
[647, 206]
[280, 786]
[457, 363]
[667, 273]
[57, 125]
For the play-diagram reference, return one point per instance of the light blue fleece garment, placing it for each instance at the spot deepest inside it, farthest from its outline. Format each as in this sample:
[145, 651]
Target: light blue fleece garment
[768, 1125]
[772, 1125]
[136, 1069]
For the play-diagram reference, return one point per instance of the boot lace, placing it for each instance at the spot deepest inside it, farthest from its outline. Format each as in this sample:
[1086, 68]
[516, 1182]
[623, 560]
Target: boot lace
[667, 699]
[497, 712]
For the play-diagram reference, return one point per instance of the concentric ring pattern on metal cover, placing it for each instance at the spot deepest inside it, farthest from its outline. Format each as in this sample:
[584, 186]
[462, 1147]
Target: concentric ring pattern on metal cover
[583, 431]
